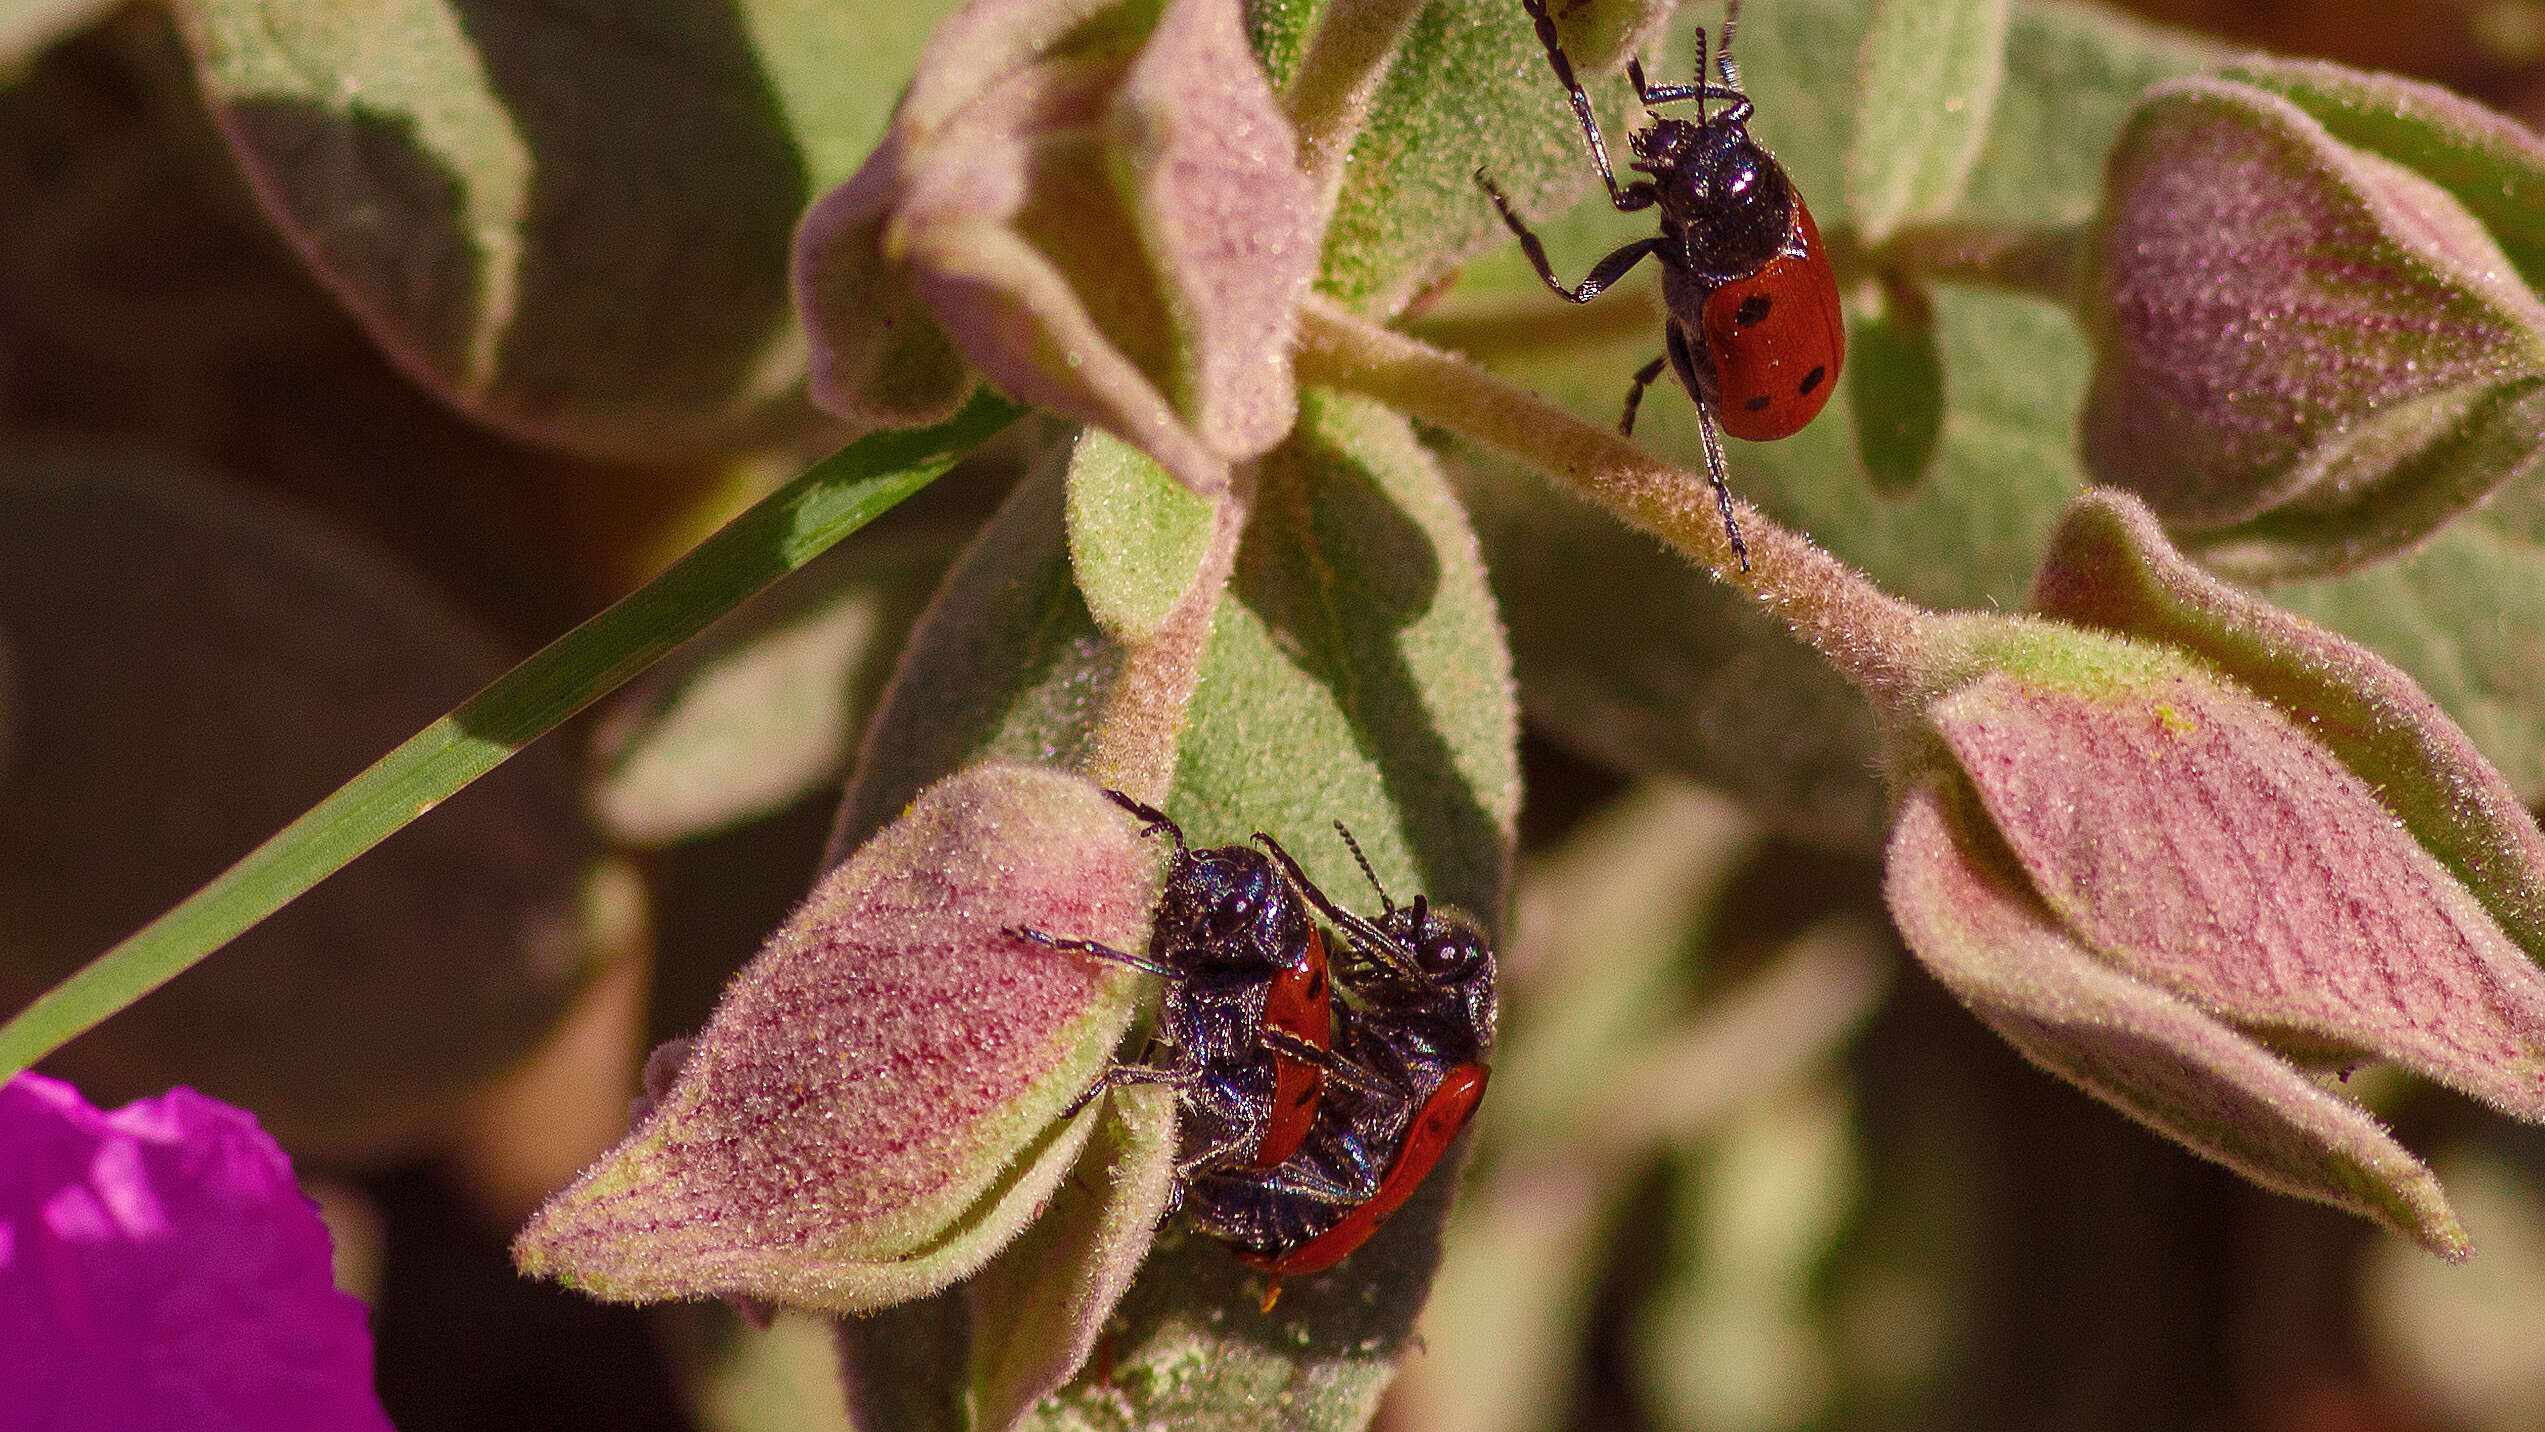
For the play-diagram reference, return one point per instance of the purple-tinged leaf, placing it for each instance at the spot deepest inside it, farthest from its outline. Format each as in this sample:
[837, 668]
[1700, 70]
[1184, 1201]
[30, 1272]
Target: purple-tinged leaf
[2261, 291]
[2109, 567]
[1976, 925]
[2197, 840]
[870, 1114]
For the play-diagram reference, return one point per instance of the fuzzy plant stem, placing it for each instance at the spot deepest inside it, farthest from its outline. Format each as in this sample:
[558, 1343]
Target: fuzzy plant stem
[1870, 635]
[2042, 262]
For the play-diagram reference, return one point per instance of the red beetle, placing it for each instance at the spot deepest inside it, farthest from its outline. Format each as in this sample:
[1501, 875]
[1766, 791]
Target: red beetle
[1755, 332]
[1436, 1126]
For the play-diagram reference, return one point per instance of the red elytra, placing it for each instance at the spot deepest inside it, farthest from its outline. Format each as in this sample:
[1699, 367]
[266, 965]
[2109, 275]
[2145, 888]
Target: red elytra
[1446, 1111]
[1777, 338]
[1299, 1004]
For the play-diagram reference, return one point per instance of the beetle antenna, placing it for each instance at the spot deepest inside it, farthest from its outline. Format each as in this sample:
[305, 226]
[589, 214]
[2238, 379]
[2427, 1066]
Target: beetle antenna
[1723, 50]
[1701, 74]
[1722, 485]
[1386, 906]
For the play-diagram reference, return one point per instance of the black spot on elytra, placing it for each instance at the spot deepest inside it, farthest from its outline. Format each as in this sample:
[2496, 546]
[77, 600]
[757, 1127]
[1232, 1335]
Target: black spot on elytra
[1753, 311]
[1758, 404]
[1317, 978]
[1812, 379]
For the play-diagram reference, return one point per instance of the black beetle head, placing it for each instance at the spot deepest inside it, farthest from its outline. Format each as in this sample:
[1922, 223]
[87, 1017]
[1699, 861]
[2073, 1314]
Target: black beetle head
[1455, 959]
[1720, 192]
[1228, 908]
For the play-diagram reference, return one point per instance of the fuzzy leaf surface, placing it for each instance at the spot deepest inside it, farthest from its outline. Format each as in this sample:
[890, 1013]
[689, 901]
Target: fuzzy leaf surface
[2271, 309]
[1928, 79]
[2197, 840]
[2491, 163]
[874, 1108]
[571, 223]
[1973, 922]
[2460, 613]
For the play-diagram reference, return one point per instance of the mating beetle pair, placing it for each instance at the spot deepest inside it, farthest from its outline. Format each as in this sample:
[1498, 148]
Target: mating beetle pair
[1307, 1121]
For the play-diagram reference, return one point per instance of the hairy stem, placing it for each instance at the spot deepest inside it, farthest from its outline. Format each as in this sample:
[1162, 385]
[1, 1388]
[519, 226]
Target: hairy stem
[2042, 262]
[1872, 636]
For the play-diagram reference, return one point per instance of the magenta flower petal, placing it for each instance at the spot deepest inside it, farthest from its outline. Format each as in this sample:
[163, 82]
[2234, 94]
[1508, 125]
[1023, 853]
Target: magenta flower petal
[160, 1269]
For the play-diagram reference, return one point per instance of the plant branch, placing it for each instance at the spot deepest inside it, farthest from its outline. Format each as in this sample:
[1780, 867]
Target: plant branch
[2041, 261]
[1870, 635]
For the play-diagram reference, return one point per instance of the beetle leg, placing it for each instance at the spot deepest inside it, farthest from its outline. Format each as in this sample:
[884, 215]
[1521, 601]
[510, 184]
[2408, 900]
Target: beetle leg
[1699, 381]
[1120, 1074]
[1332, 1061]
[1155, 820]
[1091, 947]
[1607, 271]
[1638, 195]
[1644, 377]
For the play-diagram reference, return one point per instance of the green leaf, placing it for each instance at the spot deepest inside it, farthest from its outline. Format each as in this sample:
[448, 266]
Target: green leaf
[164, 713]
[1008, 664]
[2461, 617]
[573, 224]
[2394, 479]
[1039, 1308]
[1278, 31]
[1355, 672]
[1358, 673]
[782, 532]
[1930, 71]
[1631, 656]
[1895, 385]
[1137, 537]
[1471, 88]
[766, 707]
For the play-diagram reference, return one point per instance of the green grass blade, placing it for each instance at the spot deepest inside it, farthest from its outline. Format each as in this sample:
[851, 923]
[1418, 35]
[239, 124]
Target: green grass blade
[782, 532]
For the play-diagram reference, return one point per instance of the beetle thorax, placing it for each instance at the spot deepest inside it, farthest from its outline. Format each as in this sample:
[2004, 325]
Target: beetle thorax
[1723, 198]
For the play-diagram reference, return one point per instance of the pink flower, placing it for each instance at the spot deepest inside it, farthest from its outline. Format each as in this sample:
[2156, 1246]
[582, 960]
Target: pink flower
[160, 1269]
